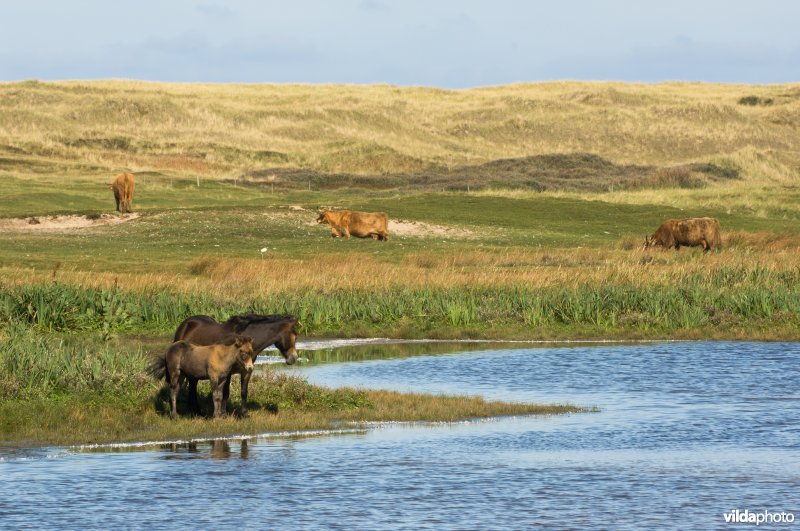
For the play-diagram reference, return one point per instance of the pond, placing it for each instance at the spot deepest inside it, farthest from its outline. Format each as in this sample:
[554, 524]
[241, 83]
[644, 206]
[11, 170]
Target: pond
[685, 433]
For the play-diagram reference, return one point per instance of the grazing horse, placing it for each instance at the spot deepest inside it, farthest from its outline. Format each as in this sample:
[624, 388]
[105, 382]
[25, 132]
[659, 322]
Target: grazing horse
[184, 360]
[266, 330]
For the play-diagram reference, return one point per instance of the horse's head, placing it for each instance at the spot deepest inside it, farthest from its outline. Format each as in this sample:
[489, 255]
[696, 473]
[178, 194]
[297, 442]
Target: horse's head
[286, 342]
[245, 353]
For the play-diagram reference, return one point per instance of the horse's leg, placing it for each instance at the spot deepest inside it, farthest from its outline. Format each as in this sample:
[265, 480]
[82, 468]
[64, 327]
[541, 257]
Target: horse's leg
[194, 404]
[174, 387]
[245, 381]
[226, 392]
[216, 391]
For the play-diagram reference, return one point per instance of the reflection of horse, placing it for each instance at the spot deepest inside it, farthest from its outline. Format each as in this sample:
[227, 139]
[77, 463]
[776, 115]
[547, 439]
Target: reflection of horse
[219, 449]
[184, 360]
[266, 330]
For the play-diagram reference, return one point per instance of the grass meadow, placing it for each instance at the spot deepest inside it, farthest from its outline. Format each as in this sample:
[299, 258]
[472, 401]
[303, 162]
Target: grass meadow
[519, 210]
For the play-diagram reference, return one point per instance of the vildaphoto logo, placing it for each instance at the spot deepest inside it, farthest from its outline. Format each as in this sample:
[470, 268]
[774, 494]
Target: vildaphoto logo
[763, 517]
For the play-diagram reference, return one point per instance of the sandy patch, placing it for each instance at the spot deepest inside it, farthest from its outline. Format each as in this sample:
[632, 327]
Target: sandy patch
[421, 229]
[62, 223]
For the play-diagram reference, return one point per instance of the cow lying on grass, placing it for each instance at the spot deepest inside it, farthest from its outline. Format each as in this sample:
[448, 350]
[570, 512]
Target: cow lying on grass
[691, 232]
[373, 225]
[123, 192]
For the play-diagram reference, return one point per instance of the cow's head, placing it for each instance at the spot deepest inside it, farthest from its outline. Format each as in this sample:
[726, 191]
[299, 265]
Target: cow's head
[648, 242]
[323, 217]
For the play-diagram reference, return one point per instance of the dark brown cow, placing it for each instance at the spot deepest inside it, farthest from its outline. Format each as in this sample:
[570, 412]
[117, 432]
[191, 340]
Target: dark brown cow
[123, 192]
[373, 225]
[691, 232]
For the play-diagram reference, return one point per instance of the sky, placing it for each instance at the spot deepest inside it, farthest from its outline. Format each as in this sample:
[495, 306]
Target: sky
[441, 43]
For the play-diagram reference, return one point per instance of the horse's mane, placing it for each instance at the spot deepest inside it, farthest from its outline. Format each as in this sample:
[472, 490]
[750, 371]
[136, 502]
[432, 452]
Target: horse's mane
[240, 322]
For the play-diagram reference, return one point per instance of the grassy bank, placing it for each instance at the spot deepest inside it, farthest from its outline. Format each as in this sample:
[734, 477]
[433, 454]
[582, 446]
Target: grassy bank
[71, 390]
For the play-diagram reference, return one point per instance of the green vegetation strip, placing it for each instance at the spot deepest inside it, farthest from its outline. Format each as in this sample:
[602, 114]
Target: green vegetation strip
[724, 300]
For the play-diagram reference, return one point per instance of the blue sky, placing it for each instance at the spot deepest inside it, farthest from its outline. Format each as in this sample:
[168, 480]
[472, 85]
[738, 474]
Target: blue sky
[444, 43]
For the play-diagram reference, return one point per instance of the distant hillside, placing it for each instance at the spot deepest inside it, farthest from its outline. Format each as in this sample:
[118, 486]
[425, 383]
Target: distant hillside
[567, 135]
[569, 172]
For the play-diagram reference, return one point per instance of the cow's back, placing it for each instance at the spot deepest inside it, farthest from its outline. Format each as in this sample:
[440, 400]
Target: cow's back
[711, 231]
[367, 223]
[123, 187]
[128, 184]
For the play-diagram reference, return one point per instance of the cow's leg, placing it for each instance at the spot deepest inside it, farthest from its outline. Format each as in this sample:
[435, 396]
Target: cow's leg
[706, 246]
[346, 232]
[374, 236]
[335, 232]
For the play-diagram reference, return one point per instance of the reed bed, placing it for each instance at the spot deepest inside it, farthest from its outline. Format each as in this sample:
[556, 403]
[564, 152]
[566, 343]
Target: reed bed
[723, 296]
[36, 365]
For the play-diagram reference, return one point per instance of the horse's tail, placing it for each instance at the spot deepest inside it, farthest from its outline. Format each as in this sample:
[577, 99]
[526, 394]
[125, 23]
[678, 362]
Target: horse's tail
[158, 367]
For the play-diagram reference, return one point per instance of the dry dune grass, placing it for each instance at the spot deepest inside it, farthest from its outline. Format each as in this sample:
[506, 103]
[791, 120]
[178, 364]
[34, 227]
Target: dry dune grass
[222, 130]
[240, 279]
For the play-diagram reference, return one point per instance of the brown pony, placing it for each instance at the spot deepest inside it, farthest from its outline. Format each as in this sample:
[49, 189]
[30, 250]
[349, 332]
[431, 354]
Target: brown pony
[184, 360]
[266, 330]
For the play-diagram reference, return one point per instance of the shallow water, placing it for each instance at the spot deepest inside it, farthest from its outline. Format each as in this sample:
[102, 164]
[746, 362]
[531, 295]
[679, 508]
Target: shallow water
[686, 433]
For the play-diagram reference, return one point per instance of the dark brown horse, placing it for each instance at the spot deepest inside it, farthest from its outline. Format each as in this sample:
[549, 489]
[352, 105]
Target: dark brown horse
[266, 330]
[187, 361]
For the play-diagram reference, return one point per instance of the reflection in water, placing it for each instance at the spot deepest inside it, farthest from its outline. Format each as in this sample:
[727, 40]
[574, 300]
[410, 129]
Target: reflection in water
[211, 449]
[687, 432]
[406, 349]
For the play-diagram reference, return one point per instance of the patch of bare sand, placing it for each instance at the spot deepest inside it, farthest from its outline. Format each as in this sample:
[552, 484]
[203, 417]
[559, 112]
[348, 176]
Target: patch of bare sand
[421, 229]
[62, 223]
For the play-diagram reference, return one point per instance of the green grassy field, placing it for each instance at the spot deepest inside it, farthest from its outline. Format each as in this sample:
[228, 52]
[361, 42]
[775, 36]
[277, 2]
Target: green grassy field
[518, 212]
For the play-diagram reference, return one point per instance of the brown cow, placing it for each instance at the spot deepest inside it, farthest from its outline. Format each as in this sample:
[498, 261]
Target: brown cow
[690, 232]
[123, 192]
[373, 225]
